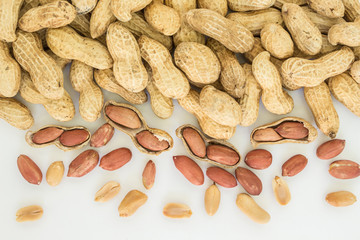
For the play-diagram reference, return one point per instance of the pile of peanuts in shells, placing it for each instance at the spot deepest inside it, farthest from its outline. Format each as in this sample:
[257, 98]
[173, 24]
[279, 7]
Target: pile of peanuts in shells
[184, 50]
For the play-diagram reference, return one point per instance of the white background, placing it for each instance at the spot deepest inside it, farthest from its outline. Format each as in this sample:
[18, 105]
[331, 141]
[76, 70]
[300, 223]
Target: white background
[71, 213]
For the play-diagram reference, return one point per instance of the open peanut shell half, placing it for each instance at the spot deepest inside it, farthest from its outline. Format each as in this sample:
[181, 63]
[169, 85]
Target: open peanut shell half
[226, 157]
[65, 138]
[129, 120]
[285, 130]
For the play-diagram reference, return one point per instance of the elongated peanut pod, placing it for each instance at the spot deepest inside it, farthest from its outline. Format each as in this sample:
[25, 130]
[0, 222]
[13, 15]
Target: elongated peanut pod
[91, 98]
[346, 91]
[101, 18]
[248, 206]
[329, 8]
[9, 13]
[352, 9]
[232, 35]
[46, 75]
[320, 103]
[15, 113]
[248, 5]
[305, 34]
[122, 9]
[347, 33]
[274, 98]
[355, 71]
[10, 73]
[309, 73]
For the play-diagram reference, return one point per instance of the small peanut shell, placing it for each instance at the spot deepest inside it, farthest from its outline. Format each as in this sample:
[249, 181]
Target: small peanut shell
[347, 33]
[9, 15]
[84, 6]
[352, 9]
[10, 72]
[312, 133]
[15, 113]
[101, 18]
[29, 137]
[154, 141]
[208, 141]
[329, 8]
[248, 5]
[122, 9]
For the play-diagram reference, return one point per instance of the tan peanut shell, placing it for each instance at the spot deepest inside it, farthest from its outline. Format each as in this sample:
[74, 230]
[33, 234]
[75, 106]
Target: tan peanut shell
[185, 32]
[138, 26]
[52, 15]
[45, 74]
[27, 5]
[355, 71]
[162, 106]
[326, 46]
[256, 20]
[208, 141]
[232, 35]
[274, 98]
[43, 2]
[158, 133]
[162, 18]
[277, 41]
[220, 106]
[67, 43]
[101, 18]
[61, 62]
[352, 9]
[249, 101]
[10, 72]
[305, 34]
[320, 103]
[29, 136]
[248, 5]
[170, 81]
[84, 6]
[9, 13]
[61, 109]
[357, 52]
[15, 113]
[328, 8]
[323, 23]
[81, 24]
[128, 68]
[220, 6]
[312, 134]
[122, 9]
[91, 97]
[198, 62]
[346, 91]
[309, 73]
[191, 103]
[106, 80]
[258, 48]
[347, 33]
[232, 75]
[279, 3]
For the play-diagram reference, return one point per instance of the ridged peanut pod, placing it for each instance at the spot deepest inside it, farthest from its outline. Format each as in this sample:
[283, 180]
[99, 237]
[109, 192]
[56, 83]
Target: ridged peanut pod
[162, 106]
[9, 13]
[61, 62]
[320, 103]
[352, 9]
[220, 106]
[232, 35]
[191, 103]
[220, 6]
[309, 73]
[67, 43]
[346, 91]
[347, 33]
[328, 8]
[46, 75]
[122, 9]
[81, 24]
[258, 48]
[256, 20]
[138, 26]
[198, 62]
[27, 5]
[43, 2]
[232, 75]
[274, 98]
[128, 68]
[162, 18]
[15, 113]
[355, 71]
[10, 72]
[84, 6]
[248, 5]
[101, 18]
[185, 32]
[277, 41]
[106, 80]
[323, 23]
[327, 47]
[51, 15]
[249, 102]
[91, 98]
[279, 3]
[305, 34]
[170, 81]
[61, 109]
